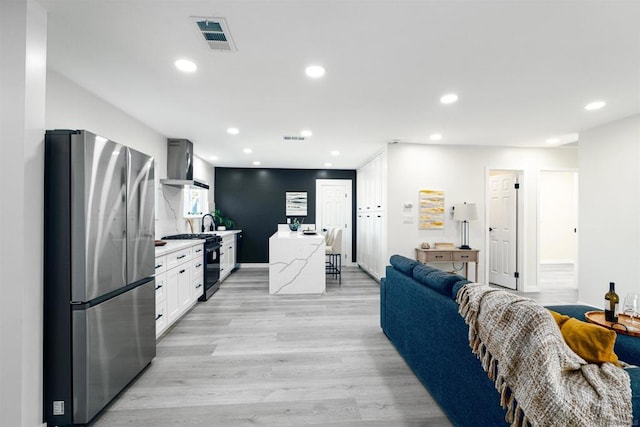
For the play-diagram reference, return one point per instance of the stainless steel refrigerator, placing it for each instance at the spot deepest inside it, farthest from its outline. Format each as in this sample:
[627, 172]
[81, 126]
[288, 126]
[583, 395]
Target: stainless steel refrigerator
[99, 296]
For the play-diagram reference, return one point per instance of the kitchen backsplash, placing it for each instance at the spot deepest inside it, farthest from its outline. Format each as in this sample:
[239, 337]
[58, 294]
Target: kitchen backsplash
[169, 218]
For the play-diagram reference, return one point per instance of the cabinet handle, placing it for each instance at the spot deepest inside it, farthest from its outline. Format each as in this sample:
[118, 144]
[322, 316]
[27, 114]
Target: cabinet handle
[158, 316]
[159, 265]
[158, 287]
[182, 271]
[181, 256]
[439, 256]
[464, 256]
[198, 265]
[198, 250]
[199, 286]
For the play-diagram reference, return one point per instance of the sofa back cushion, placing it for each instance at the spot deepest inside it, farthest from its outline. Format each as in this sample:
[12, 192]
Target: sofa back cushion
[404, 264]
[421, 271]
[438, 280]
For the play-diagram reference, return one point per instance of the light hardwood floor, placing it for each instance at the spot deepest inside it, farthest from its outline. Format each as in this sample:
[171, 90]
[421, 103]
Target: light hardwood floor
[245, 358]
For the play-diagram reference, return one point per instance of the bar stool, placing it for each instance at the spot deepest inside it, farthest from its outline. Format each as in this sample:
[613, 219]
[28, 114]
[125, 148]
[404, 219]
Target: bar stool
[333, 252]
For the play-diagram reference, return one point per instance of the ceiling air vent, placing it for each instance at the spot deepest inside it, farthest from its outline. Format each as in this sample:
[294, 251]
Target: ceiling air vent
[294, 138]
[215, 33]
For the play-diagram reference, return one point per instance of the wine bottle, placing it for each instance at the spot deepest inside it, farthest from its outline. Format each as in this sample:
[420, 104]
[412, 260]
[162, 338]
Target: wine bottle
[611, 301]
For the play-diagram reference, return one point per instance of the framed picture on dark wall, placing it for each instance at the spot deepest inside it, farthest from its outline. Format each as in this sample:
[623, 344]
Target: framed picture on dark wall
[296, 203]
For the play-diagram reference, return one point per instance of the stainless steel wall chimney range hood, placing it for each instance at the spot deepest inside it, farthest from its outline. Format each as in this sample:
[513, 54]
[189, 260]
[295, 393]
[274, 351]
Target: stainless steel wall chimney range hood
[180, 165]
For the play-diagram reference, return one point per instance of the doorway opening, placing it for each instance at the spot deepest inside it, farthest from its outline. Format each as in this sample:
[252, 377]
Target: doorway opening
[558, 229]
[334, 208]
[505, 227]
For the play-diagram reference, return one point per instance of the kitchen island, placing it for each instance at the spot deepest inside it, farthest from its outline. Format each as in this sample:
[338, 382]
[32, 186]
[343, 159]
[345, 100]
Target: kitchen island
[296, 263]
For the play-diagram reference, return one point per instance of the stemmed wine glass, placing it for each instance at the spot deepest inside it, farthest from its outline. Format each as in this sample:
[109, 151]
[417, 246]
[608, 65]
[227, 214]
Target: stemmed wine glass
[631, 306]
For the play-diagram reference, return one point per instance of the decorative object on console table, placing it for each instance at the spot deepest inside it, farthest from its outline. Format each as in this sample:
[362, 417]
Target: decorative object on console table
[465, 212]
[453, 255]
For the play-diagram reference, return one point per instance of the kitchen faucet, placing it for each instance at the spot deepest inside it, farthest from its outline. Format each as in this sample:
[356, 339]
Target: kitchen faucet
[213, 222]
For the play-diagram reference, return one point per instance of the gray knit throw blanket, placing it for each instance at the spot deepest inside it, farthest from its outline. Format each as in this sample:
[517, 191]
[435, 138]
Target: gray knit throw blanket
[541, 381]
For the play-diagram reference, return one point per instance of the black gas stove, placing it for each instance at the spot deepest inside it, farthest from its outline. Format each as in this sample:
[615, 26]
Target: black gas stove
[211, 260]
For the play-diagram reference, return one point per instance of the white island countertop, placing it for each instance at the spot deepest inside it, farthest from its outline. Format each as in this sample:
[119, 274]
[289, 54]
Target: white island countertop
[296, 263]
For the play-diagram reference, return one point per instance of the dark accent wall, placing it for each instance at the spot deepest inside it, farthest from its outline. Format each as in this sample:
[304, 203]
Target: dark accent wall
[255, 200]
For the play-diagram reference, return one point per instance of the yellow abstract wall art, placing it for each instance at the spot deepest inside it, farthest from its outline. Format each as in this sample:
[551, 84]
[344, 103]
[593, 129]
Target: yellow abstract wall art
[431, 211]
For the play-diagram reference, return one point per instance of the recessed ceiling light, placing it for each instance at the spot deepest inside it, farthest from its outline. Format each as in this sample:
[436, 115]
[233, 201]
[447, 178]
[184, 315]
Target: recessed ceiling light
[214, 158]
[335, 153]
[315, 71]
[449, 98]
[256, 163]
[185, 65]
[233, 131]
[435, 137]
[328, 164]
[306, 133]
[595, 105]
[247, 151]
[553, 141]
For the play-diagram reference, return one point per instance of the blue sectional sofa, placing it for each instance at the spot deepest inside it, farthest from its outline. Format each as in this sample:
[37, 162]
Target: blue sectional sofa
[419, 314]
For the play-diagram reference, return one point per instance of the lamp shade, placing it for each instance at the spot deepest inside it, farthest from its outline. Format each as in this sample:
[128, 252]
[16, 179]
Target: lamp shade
[465, 212]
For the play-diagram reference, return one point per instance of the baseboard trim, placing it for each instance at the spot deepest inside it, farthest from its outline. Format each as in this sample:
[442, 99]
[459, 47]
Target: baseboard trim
[557, 261]
[254, 265]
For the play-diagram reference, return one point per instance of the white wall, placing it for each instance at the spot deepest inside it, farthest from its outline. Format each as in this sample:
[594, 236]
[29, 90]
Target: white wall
[23, 42]
[609, 210]
[462, 171]
[69, 106]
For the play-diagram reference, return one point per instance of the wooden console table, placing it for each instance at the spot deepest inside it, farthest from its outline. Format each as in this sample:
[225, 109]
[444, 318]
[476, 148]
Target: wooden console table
[450, 255]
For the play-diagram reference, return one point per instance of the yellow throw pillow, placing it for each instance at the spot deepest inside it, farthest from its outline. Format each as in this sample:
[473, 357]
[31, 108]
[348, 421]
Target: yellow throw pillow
[559, 318]
[591, 342]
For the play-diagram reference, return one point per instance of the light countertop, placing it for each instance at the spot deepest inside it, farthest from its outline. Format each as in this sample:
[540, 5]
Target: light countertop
[295, 235]
[176, 245]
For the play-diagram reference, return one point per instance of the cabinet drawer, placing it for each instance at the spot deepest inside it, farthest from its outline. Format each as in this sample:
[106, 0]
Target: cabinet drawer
[465, 256]
[161, 319]
[161, 287]
[161, 264]
[428, 256]
[198, 288]
[198, 252]
[178, 257]
[197, 267]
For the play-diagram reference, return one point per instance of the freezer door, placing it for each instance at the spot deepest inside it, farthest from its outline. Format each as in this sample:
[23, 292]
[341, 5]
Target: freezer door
[140, 216]
[112, 342]
[98, 216]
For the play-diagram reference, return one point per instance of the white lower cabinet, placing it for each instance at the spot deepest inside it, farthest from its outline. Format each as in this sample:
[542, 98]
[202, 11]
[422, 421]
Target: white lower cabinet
[370, 251]
[161, 303]
[197, 275]
[227, 256]
[178, 274]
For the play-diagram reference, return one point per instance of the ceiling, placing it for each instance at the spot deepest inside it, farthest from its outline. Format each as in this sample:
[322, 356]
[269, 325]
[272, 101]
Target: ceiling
[523, 71]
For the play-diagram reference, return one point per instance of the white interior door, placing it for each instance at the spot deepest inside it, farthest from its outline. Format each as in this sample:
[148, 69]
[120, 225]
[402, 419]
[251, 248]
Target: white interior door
[503, 229]
[333, 209]
[557, 225]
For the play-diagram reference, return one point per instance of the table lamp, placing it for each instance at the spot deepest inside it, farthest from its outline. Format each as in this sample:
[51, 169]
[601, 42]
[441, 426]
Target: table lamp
[464, 213]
